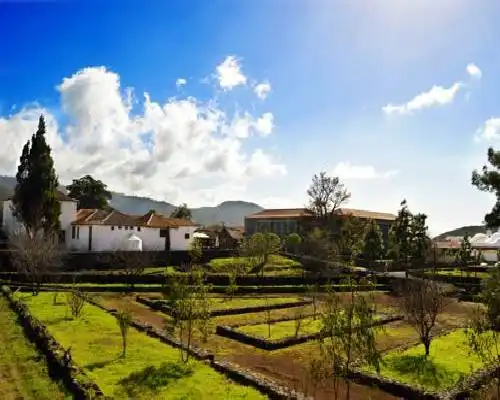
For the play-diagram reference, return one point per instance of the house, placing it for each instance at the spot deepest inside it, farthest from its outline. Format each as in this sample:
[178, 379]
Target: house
[99, 230]
[90, 230]
[221, 236]
[68, 213]
[290, 220]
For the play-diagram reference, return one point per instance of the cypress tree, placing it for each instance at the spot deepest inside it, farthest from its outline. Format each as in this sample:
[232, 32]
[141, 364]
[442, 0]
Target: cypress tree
[35, 201]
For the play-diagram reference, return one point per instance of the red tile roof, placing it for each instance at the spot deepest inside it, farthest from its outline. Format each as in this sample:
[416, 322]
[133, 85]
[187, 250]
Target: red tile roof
[302, 212]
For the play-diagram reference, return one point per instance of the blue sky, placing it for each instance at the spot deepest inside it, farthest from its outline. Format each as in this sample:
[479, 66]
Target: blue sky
[329, 69]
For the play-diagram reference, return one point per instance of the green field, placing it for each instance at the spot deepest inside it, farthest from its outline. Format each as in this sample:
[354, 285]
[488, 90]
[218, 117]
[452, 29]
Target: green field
[450, 360]
[23, 373]
[283, 329]
[95, 342]
[222, 264]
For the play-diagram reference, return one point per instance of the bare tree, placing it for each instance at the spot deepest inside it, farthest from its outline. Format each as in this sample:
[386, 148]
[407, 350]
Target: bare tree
[134, 263]
[422, 301]
[326, 195]
[36, 255]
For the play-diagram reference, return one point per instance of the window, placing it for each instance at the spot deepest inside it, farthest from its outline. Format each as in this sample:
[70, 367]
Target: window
[119, 228]
[131, 228]
[138, 229]
[73, 232]
[112, 228]
[163, 233]
[126, 228]
[78, 232]
[186, 236]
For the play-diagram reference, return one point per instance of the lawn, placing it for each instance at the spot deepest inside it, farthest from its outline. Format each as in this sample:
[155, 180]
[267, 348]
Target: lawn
[226, 303]
[23, 373]
[459, 273]
[222, 264]
[450, 360]
[283, 329]
[95, 342]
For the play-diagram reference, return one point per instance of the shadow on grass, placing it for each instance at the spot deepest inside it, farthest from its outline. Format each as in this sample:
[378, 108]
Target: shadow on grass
[101, 364]
[155, 378]
[422, 370]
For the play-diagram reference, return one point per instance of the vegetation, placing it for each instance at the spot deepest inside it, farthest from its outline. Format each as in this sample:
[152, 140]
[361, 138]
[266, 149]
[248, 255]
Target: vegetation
[124, 319]
[258, 248]
[23, 372]
[228, 263]
[181, 212]
[89, 192]
[35, 203]
[373, 245]
[75, 300]
[488, 180]
[292, 242]
[284, 329]
[422, 301]
[96, 345]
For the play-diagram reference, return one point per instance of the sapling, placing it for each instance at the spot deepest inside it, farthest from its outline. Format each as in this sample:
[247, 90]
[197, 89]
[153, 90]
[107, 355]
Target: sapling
[124, 319]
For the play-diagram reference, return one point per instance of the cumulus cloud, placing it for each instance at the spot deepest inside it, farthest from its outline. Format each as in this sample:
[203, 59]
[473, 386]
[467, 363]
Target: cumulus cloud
[474, 71]
[229, 73]
[166, 151]
[436, 96]
[244, 126]
[346, 170]
[180, 82]
[262, 90]
[490, 131]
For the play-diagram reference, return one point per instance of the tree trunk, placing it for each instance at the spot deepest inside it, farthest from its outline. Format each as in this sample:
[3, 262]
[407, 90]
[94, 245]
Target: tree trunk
[427, 345]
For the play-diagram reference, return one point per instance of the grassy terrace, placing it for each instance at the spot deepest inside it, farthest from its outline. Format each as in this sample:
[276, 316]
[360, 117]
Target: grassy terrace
[96, 346]
[450, 360]
[458, 272]
[275, 260]
[23, 375]
[283, 329]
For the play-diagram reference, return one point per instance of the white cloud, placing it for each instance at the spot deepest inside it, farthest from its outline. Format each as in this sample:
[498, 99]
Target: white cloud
[346, 170]
[489, 131]
[229, 73]
[265, 124]
[180, 82]
[167, 151]
[262, 90]
[246, 125]
[436, 96]
[474, 71]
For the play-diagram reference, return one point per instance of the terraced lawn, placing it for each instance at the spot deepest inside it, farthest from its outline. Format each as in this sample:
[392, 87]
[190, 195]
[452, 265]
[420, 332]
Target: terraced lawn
[283, 329]
[23, 372]
[450, 360]
[95, 342]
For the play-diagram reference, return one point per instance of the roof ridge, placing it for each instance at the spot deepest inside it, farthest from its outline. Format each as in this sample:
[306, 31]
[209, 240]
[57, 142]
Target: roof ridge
[107, 216]
[88, 217]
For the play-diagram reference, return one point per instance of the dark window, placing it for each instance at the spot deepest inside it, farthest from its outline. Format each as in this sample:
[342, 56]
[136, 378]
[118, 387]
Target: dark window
[126, 228]
[131, 228]
[73, 232]
[163, 232]
[138, 229]
[62, 237]
[112, 228]
[186, 236]
[119, 227]
[78, 232]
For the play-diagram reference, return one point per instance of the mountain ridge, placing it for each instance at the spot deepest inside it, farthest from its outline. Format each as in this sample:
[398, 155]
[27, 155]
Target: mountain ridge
[230, 212]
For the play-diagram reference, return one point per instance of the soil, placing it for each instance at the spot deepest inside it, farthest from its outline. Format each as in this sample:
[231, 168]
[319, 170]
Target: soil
[290, 366]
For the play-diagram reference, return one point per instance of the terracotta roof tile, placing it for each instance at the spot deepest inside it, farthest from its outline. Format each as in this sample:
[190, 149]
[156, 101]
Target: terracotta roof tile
[367, 214]
[302, 212]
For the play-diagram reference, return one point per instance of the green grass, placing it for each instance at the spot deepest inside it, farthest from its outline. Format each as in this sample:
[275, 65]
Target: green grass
[222, 264]
[450, 360]
[23, 372]
[283, 329]
[457, 272]
[95, 342]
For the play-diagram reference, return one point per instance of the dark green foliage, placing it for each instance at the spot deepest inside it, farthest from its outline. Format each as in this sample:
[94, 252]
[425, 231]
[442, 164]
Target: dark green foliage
[490, 296]
[419, 238]
[182, 212]
[35, 201]
[373, 245]
[350, 241]
[89, 192]
[292, 242]
[488, 180]
[155, 378]
[465, 253]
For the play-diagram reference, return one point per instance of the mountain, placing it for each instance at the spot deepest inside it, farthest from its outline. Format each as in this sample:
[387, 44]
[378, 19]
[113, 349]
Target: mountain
[231, 213]
[471, 230]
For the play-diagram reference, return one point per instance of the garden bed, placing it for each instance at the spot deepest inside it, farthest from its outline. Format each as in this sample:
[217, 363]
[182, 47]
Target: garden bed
[283, 332]
[96, 344]
[224, 306]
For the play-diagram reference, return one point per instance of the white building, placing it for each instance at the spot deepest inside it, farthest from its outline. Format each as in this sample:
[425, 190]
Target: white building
[102, 230]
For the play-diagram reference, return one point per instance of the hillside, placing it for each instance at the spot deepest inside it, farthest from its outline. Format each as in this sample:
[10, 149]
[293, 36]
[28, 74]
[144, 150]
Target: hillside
[471, 230]
[228, 212]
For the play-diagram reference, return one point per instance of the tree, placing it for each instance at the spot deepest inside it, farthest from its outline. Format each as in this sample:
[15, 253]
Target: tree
[196, 251]
[36, 256]
[464, 255]
[348, 334]
[350, 241]
[422, 301]
[124, 319]
[181, 212]
[318, 251]
[400, 249]
[488, 180]
[89, 192]
[292, 242]
[419, 238]
[35, 202]
[326, 195]
[373, 245]
[259, 247]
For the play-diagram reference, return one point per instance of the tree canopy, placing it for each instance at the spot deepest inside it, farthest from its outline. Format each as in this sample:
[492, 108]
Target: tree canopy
[488, 180]
[35, 202]
[326, 195]
[373, 245]
[182, 212]
[89, 192]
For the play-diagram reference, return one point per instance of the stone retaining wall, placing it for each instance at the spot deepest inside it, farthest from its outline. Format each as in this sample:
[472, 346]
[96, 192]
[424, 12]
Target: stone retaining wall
[76, 381]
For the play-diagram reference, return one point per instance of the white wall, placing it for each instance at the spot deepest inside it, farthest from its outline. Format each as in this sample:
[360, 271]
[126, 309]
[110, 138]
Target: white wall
[178, 240]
